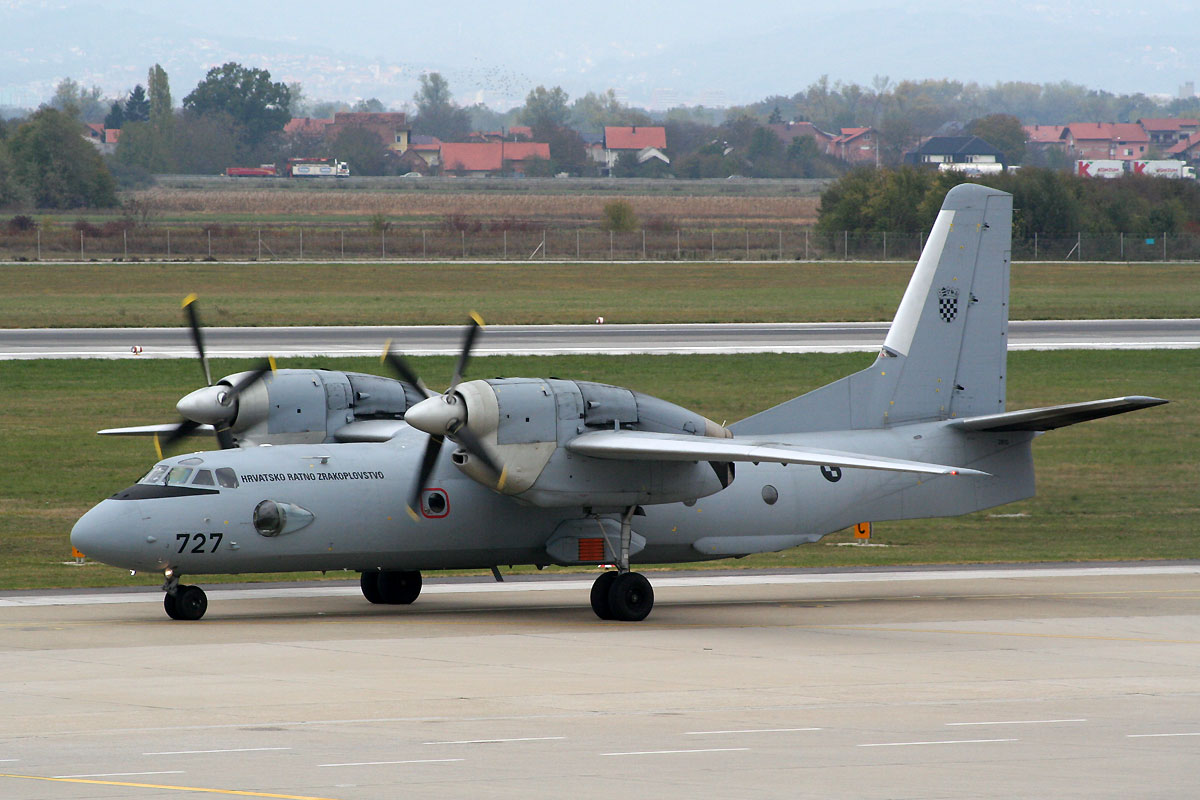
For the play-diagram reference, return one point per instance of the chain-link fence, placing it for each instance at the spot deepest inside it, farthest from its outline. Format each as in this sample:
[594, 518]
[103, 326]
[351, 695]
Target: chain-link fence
[526, 242]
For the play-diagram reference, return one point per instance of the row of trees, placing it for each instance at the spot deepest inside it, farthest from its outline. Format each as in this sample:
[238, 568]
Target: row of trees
[1046, 202]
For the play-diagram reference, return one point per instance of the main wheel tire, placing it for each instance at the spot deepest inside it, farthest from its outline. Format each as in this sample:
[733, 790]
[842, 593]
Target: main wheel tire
[190, 602]
[399, 588]
[630, 597]
[600, 591]
[370, 587]
[171, 606]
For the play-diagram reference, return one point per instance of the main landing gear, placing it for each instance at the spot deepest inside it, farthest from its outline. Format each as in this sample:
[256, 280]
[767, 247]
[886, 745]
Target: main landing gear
[183, 602]
[391, 588]
[623, 595]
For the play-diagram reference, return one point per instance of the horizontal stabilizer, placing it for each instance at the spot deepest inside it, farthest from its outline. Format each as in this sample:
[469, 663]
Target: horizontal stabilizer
[1046, 419]
[645, 446]
[166, 428]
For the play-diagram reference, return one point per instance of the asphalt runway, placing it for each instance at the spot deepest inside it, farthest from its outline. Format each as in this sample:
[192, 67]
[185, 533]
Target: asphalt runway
[842, 337]
[1066, 682]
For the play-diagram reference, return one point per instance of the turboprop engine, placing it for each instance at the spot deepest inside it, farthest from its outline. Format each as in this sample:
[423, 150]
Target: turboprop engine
[527, 425]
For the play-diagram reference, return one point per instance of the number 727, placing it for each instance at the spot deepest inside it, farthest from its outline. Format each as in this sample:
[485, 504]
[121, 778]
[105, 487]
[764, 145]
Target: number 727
[199, 540]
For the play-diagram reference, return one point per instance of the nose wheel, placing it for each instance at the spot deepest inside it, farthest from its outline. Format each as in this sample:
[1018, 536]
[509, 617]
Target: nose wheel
[184, 602]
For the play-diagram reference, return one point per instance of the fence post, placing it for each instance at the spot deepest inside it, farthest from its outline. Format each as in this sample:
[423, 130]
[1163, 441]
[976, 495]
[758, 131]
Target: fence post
[423, 256]
[781, 245]
[342, 236]
[125, 241]
[1122, 245]
[39, 243]
[506, 244]
[678, 248]
[643, 244]
[747, 244]
[885, 245]
[543, 244]
[1164, 245]
[81, 245]
[846, 245]
[168, 242]
[714, 245]
[301, 243]
[577, 244]
[806, 244]
[1035, 243]
[1079, 244]
[260, 244]
[383, 243]
[610, 245]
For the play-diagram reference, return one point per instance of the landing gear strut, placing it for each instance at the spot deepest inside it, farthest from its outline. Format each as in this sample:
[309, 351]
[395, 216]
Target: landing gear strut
[183, 602]
[391, 588]
[623, 595]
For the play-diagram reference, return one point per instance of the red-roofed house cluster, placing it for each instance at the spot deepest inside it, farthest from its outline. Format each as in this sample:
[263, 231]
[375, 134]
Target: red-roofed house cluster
[1120, 141]
[487, 152]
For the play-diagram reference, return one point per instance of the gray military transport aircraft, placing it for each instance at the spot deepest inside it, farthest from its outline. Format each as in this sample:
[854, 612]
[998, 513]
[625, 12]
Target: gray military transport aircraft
[325, 470]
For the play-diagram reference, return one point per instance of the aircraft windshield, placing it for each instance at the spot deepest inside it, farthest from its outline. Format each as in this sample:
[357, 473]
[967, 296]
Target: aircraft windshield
[165, 474]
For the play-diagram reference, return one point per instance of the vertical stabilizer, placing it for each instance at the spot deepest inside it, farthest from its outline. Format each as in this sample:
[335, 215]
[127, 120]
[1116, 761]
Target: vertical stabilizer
[945, 353]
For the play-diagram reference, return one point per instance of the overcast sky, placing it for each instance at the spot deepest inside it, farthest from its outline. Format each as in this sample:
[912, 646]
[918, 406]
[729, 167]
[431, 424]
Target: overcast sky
[655, 54]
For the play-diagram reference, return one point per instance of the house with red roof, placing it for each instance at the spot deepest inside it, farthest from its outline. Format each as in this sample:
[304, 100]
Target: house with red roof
[102, 138]
[490, 158]
[1166, 133]
[311, 127]
[391, 127]
[789, 131]
[646, 141]
[1124, 141]
[1185, 150]
[856, 145]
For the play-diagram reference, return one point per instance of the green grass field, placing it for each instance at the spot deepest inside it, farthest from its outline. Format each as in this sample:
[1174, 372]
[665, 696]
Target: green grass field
[1122, 488]
[130, 295]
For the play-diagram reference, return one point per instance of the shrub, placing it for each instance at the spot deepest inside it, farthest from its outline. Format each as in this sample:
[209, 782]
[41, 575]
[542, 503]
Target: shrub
[619, 216]
[21, 223]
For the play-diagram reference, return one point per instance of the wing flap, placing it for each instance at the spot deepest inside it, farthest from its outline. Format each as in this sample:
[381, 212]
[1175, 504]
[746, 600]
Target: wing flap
[1051, 417]
[644, 446]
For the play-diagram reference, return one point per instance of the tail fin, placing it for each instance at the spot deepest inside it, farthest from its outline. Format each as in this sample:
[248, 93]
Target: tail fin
[945, 354]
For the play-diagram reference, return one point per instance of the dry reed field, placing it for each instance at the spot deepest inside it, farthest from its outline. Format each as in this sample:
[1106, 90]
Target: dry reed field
[566, 208]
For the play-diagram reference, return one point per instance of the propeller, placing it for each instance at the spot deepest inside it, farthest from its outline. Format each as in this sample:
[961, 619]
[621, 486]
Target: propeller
[213, 404]
[443, 416]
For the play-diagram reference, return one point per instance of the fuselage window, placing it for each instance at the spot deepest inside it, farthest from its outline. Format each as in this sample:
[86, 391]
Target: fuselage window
[178, 476]
[227, 478]
[203, 478]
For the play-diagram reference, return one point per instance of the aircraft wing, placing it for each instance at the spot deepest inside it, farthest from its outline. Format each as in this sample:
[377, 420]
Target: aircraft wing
[1051, 417]
[645, 446]
[151, 430]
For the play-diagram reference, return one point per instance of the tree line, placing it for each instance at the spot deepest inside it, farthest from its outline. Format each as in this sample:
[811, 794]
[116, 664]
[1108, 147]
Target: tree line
[1046, 202]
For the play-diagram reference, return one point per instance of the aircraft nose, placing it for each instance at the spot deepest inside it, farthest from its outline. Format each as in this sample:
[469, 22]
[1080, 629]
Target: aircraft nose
[105, 533]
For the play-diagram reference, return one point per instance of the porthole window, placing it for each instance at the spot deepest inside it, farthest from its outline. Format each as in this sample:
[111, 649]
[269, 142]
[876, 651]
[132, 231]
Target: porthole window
[269, 518]
[770, 495]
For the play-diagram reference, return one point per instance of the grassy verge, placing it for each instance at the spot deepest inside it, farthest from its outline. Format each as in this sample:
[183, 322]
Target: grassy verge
[130, 295]
[1122, 488]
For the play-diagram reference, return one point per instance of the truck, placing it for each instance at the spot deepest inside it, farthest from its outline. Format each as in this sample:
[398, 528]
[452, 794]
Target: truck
[1100, 168]
[317, 168]
[261, 171]
[1166, 168]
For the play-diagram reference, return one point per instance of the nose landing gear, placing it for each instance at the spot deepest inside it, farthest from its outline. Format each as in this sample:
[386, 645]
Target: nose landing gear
[182, 601]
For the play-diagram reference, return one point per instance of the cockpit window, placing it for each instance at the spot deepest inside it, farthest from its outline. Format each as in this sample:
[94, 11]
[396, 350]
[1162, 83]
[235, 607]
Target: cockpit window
[203, 478]
[227, 478]
[157, 475]
[178, 476]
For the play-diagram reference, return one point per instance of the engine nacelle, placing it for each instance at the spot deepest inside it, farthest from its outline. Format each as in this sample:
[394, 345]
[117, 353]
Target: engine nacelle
[310, 406]
[527, 422]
